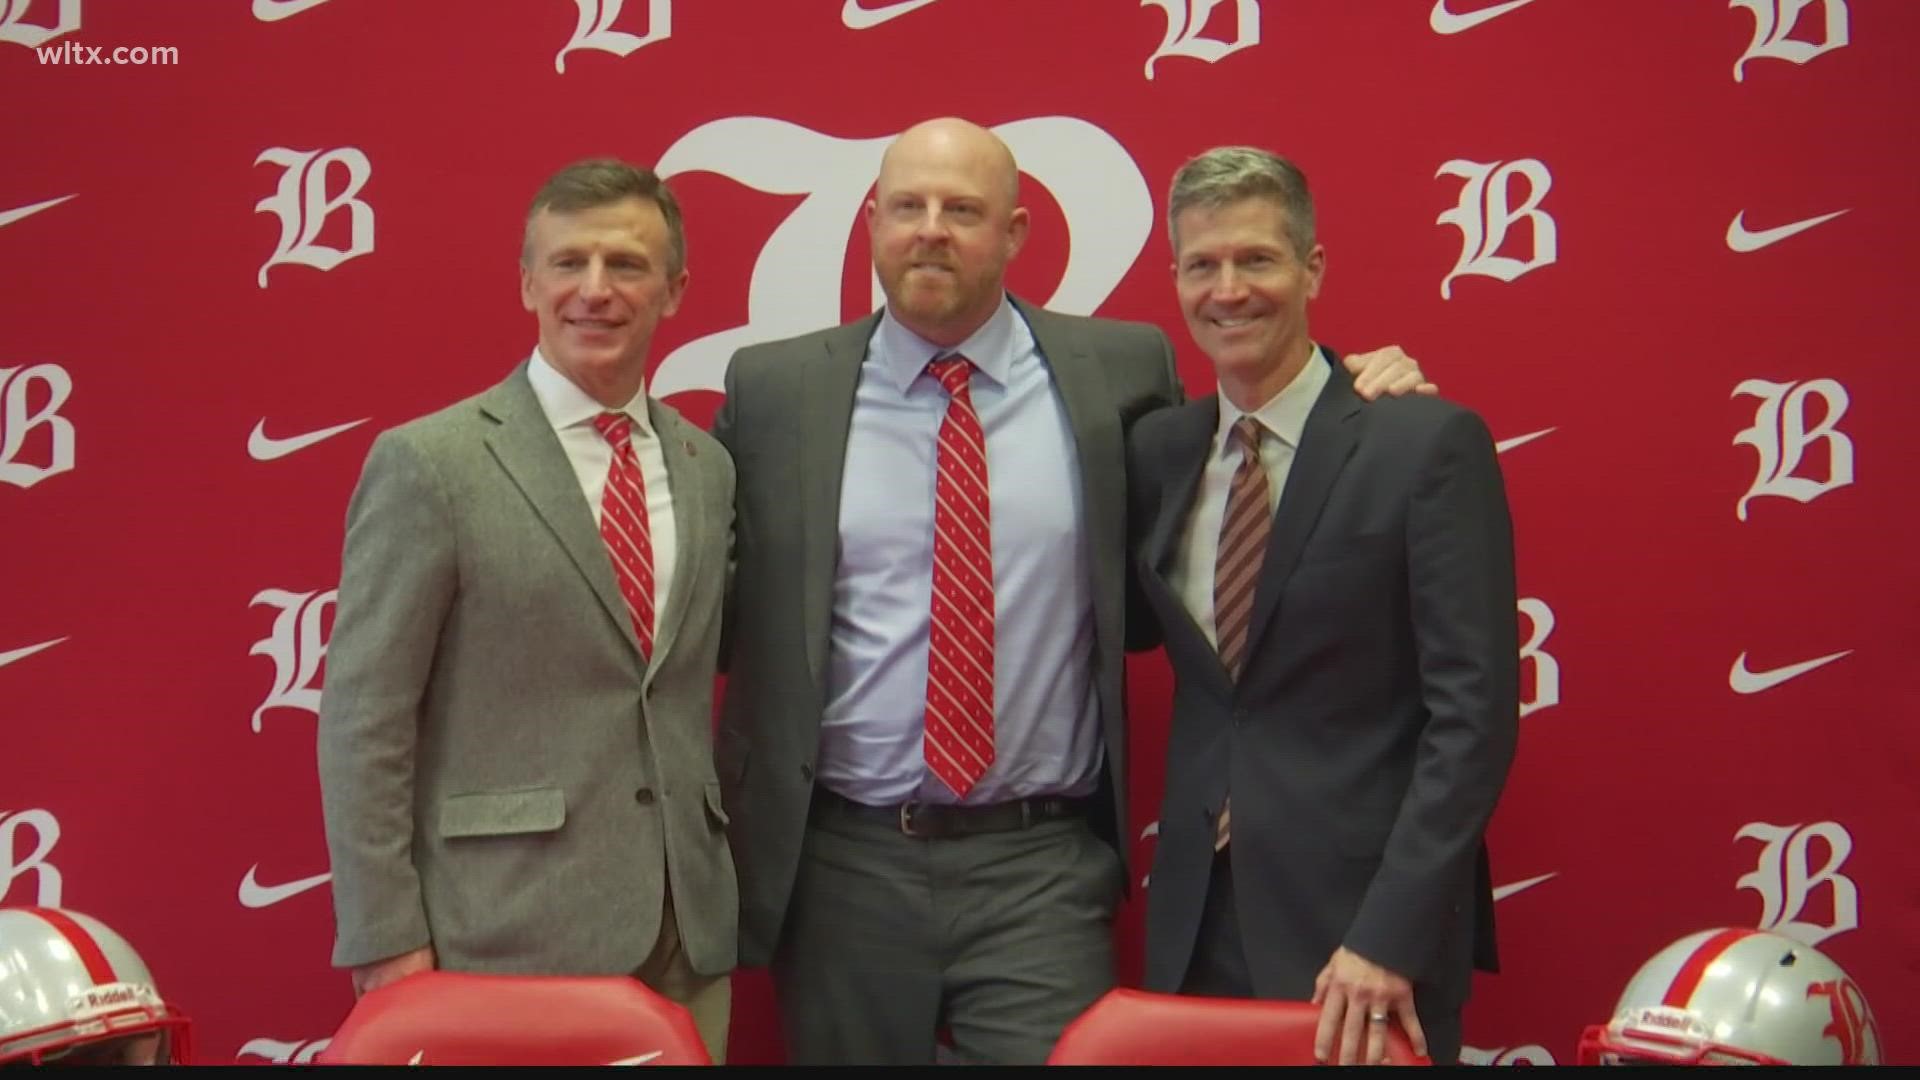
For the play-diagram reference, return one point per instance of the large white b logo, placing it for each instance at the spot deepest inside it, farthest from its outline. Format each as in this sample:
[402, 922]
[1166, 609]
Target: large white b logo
[795, 284]
[303, 205]
[595, 29]
[16, 422]
[1779, 435]
[25, 33]
[296, 645]
[1783, 882]
[1187, 18]
[44, 829]
[1546, 669]
[1486, 212]
[1774, 20]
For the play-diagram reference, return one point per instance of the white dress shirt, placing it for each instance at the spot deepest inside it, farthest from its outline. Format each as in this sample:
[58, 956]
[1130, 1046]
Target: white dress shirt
[571, 413]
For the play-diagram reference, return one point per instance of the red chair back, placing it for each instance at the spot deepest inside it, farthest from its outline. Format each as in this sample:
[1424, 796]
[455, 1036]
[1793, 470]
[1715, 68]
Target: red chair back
[1137, 1027]
[457, 1018]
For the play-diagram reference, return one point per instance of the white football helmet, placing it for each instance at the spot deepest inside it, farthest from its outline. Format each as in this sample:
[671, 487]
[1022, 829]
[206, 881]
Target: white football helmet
[72, 991]
[1737, 996]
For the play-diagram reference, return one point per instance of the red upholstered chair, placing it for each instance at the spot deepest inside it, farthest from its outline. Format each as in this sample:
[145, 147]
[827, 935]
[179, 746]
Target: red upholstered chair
[1135, 1027]
[454, 1018]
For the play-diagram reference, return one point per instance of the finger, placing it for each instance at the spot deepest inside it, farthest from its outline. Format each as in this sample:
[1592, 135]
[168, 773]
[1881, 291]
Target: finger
[1353, 1032]
[1426, 388]
[1320, 985]
[1376, 1037]
[1328, 1028]
[1410, 1019]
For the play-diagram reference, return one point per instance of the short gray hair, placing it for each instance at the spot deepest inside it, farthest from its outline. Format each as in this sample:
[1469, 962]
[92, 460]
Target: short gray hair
[598, 182]
[1228, 174]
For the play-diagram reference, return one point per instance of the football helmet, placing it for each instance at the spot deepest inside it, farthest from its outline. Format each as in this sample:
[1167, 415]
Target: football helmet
[73, 991]
[1737, 996]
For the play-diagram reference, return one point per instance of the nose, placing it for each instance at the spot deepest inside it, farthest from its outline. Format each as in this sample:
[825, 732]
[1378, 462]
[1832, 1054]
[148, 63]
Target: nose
[593, 282]
[932, 224]
[1228, 284]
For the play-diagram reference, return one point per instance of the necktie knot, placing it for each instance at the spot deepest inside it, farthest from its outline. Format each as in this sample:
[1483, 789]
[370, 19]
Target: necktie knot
[615, 428]
[952, 371]
[1247, 432]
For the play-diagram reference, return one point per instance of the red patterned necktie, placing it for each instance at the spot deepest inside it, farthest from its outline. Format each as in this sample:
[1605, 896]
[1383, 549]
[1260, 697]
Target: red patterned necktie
[1244, 529]
[959, 739]
[623, 525]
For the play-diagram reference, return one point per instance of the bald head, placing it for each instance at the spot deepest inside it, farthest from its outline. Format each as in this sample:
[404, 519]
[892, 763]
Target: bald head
[945, 220]
[952, 140]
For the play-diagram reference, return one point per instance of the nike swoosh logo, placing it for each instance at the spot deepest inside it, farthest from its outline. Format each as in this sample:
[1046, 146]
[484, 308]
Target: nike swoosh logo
[1505, 445]
[1743, 681]
[275, 10]
[1504, 891]
[255, 895]
[1740, 240]
[21, 654]
[855, 17]
[639, 1059]
[1446, 22]
[262, 448]
[8, 217]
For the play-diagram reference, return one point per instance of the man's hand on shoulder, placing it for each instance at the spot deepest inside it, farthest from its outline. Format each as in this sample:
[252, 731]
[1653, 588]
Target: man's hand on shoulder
[369, 977]
[1386, 370]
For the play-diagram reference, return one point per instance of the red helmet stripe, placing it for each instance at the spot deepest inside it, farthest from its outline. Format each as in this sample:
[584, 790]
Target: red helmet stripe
[83, 944]
[1687, 979]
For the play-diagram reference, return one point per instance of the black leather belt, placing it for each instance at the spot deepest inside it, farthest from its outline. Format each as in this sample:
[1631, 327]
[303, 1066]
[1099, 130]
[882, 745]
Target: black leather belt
[940, 820]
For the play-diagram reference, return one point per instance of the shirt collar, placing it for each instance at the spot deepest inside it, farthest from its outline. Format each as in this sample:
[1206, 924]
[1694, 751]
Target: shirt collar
[1284, 415]
[566, 405]
[905, 354]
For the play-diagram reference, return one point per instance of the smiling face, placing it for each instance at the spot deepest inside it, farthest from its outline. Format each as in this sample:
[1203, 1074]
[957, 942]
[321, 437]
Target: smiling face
[597, 280]
[1243, 289]
[944, 226]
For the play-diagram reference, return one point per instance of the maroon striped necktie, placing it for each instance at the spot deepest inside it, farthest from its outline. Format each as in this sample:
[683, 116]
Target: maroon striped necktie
[1236, 570]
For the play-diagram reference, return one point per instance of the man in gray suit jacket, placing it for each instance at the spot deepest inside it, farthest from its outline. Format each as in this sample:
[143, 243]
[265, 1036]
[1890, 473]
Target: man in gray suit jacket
[1336, 588]
[923, 738]
[515, 750]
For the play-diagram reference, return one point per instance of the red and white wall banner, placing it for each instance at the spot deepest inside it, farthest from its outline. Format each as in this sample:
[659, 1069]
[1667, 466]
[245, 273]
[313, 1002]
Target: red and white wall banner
[1663, 247]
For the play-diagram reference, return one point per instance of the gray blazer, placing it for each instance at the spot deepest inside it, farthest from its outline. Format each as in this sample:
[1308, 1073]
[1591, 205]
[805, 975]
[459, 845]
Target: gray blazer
[785, 420]
[502, 775]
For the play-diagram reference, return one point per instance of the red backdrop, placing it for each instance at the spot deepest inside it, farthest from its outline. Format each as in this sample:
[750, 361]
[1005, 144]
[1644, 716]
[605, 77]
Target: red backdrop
[1610, 228]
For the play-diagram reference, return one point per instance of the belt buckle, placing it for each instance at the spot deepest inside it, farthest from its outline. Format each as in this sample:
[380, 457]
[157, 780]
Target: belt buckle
[906, 817]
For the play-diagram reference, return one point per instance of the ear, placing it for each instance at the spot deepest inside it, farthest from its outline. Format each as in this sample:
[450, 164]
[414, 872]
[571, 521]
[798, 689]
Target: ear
[676, 289]
[1316, 270]
[526, 287]
[1017, 223]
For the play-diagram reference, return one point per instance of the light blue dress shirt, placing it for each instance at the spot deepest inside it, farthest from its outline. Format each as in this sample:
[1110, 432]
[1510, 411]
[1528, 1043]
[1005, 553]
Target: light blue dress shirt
[1046, 713]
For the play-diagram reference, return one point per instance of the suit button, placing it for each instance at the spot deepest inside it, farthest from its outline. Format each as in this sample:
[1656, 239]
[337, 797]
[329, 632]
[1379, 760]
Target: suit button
[806, 773]
[644, 796]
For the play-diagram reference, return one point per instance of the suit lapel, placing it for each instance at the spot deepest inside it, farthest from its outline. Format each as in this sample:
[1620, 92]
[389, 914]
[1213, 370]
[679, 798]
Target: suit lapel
[1185, 464]
[525, 446]
[1329, 439]
[828, 383]
[1097, 438]
[690, 539]
[1179, 473]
